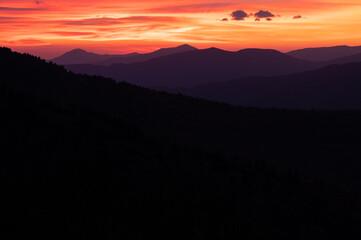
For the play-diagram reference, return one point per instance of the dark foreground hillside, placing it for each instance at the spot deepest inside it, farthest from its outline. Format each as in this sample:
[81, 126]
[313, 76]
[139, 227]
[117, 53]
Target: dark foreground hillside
[321, 144]
[75, 166]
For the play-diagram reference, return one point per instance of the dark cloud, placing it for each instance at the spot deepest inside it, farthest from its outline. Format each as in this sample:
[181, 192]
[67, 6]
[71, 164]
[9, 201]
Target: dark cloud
[264, 14]
[225, 19]
[297, 17]
[242, 15]
[239, 15]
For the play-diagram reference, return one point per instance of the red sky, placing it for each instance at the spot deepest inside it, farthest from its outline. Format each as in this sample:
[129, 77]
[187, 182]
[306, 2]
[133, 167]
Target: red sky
[50, 27]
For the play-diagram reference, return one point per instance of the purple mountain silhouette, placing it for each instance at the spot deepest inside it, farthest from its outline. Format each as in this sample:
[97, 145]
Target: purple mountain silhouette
[197, 67]
[147, 56]
[80, 56]
[325, 53]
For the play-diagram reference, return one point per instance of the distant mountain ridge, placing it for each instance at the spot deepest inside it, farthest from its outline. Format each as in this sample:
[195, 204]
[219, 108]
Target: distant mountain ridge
[80, 56]
[325, 53]
[197, 67]
[147, 56]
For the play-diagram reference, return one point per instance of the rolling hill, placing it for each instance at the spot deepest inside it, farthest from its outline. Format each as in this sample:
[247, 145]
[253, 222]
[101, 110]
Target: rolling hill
[80, 56]
[332, 87]
[325, 53]
[348, 59]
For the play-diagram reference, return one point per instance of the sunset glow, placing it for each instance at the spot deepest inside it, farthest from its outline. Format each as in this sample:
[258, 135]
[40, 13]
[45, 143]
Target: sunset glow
[50, 27]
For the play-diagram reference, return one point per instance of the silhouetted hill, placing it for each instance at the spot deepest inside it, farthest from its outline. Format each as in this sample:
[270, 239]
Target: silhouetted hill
[348, 59]
[325, 53]
[239, 130]
[199, 67]
[79, 56]
[147, 56]
[87, 158]
[332, 87]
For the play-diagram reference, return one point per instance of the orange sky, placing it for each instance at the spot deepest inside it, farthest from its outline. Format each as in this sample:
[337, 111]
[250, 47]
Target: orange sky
[50, 27]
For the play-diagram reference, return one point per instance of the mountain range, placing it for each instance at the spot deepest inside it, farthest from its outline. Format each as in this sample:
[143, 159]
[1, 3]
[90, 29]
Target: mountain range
[197, 67]
[86, 157]
[250, 77]
[79, 56]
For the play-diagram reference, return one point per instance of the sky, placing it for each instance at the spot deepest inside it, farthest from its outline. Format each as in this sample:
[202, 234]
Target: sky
[48, 28]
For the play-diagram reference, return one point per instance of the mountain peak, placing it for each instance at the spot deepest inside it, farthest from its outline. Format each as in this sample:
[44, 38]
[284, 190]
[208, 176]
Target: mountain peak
[186, 46]
[77, 51]
[258, 50]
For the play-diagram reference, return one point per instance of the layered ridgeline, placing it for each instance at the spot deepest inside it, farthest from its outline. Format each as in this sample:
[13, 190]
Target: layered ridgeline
[325, 53]
[206, 70]
[87, 158]
[79, 56]
[197, 67]
[332, 87]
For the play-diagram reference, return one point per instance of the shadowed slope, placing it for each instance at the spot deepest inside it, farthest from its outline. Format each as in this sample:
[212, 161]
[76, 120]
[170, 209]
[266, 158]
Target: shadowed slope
[348, 59]
[332, 87]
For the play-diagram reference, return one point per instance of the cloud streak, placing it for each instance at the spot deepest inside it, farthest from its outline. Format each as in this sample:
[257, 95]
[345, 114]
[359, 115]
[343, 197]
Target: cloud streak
[191, 8]
[113, 21]
[15, 9]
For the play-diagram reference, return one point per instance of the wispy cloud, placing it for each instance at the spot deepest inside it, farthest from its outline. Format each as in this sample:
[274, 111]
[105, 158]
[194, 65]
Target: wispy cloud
[69, 34]
[204, 7]
[25, 42]
[112, 21]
